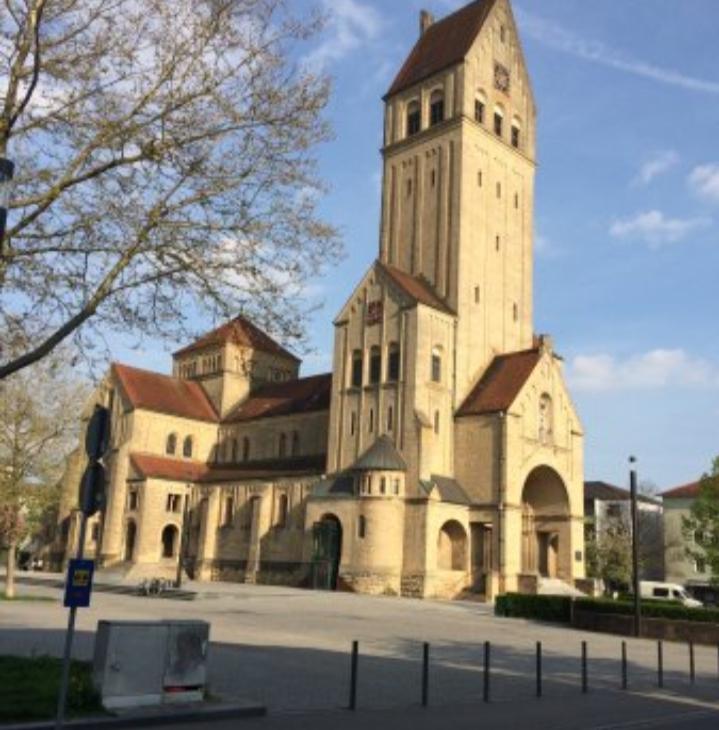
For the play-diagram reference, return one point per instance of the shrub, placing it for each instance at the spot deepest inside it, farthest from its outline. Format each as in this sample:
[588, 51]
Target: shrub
[542, 608]
[650, 609]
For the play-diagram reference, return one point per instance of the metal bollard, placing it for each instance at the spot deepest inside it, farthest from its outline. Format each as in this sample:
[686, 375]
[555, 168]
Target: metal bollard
[539, 669]
[624, 665]
[660, 664]
[585, 682]
[353, 675]
[692, 669]
[486, 671]
[425, 675]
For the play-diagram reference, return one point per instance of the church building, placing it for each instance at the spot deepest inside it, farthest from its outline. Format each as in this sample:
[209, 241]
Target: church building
[443, 454]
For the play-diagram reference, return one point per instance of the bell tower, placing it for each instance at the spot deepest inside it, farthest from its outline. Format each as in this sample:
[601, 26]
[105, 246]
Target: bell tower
[458, 179]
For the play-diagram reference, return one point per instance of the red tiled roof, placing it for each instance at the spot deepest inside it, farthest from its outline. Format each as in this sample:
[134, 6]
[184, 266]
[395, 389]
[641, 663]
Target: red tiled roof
[500, 384]
[304, 395]
[445, 43]
[686, 491]
[150, 466]
[164, 394]
[239, 331]
[416, 288]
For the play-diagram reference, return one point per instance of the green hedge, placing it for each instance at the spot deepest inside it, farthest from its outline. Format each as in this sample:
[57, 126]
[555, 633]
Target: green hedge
[559, 608]
[543, 608]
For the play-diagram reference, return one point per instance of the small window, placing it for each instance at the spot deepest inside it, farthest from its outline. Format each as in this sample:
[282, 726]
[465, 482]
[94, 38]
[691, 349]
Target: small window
[436, 108]
[479, 178]
[479, 111]
[282, 446]
[245, 449]
[174, 503]
[133, 500]
[361, 527]
[436, 365]
[368, 485]
[499, 189]
[169, 541]
[516, 312]
[433, 178]
[375, 365]
[295, 443]
[371, 420]
[414, 119]
[229, 512]
[390, 418]
[502, 33]
[187, 447]
[282, 510]
[436, 421]
[357, 369]
[395, 484]
[700, 565]
[393, 363]
[409, 187]
[383, 485]
[476, 295]
[498, 124]
[660, 593]
[235, 451]
[515, 136]
[353, 423]
[498, 243]
[171, 445]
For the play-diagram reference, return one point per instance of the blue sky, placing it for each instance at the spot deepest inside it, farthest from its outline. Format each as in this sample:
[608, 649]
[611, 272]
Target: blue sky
[627, 209]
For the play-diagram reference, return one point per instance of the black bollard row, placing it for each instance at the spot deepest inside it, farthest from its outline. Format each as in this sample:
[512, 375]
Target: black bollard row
[660, 664]
[485, 693]
[539, 669]
[353, 676]
[585, 679]
[425, 675]
[625, 681]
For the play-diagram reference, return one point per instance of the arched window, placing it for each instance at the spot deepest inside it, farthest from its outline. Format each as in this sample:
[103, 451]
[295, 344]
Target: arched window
[516, 133]
[357, 369]
[395, 484]
[437, 365]
[130, 535]
[498, 121]
[282, 510]
[383, 485]
[375, 365]
[235, 451]
[245, 449]
[169, 541]
[545, 418]
[295, 443]
[229, 512]
[393, 362]
[171, 445]
[480, 108]
[414, 118]
[282, 449]
[390, 418]
[436, 108]
[187, 447]
[361, 527]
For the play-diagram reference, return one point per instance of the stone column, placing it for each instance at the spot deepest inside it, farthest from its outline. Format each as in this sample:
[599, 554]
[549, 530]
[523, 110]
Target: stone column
[208, 536]
[261, 517]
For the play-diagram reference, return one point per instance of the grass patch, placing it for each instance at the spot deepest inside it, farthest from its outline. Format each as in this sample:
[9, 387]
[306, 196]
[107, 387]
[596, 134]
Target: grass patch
[30, 686]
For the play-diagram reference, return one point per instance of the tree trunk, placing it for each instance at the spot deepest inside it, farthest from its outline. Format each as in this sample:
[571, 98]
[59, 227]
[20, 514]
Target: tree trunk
[10, 571]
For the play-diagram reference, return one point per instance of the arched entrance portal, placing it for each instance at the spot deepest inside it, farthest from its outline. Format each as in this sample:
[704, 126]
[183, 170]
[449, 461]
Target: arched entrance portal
[452, 547]
[130, 535]
[327, 552]
[546, 548]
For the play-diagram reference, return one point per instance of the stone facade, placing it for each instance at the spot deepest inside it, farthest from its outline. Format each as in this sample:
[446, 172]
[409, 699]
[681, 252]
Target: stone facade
[444, 453]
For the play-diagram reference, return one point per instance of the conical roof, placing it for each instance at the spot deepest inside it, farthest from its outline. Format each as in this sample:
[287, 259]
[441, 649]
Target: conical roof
[381, 456]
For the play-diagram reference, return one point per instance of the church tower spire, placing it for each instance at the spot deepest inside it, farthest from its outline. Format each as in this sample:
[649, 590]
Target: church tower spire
[458, 179]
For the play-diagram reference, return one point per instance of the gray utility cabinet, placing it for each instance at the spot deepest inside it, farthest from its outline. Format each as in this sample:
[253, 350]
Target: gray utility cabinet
[139, 663]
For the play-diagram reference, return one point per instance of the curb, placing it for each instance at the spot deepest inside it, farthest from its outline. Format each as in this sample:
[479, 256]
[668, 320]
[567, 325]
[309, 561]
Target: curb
[152, 719]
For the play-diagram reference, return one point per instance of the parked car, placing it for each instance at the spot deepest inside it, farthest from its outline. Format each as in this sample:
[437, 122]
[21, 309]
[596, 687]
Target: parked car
[652, 590]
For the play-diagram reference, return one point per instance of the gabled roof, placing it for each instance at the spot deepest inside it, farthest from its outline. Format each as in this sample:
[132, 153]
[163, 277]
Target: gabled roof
[150, 466]
[414, 287]
[449, 490]
[686, 491]
[239, 331]
[304, 395]
[498, 388]
[164, 394]
[381, 456]
[604, 492]
[445, 43]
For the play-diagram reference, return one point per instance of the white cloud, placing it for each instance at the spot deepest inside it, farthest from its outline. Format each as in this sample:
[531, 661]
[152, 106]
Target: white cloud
[657, 165]
[654, 369]
[555, 36]
[656, 229]
[545, 247]
[704, 180]
[351, 24]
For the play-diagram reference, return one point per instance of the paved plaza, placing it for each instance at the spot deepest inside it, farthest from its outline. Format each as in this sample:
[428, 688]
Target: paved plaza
[289, 649]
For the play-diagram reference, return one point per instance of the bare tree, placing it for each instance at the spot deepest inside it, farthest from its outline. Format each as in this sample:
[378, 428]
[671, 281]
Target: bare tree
[164, 164]
[38, 429]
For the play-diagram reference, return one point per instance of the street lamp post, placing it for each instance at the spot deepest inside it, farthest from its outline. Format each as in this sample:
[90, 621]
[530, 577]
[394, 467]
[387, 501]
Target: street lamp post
[6, 172]
[635, 547]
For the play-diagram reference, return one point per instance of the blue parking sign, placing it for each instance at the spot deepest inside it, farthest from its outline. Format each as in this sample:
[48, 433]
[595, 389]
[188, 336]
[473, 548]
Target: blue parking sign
[79, 583]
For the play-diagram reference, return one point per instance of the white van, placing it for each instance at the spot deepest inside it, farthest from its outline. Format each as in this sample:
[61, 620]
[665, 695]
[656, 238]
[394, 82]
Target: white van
[651, 590]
